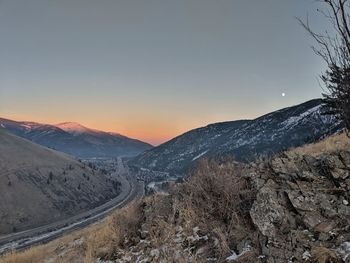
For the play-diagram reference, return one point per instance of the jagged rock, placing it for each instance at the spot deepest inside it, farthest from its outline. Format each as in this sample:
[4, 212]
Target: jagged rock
[301, 202]
[300, 213]
[345, 158]
[267, 213]
[302, 206]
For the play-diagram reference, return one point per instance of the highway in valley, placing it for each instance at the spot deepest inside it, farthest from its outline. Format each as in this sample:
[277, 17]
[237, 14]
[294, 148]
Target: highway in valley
[131, 190]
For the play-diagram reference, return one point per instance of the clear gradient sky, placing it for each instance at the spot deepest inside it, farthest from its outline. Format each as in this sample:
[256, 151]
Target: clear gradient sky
[153, 69]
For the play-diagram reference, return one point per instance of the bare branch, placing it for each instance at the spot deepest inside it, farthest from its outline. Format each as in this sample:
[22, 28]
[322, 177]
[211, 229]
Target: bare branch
[335, 50]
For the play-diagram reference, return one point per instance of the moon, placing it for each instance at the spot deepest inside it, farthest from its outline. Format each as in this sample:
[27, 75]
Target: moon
[283, 94]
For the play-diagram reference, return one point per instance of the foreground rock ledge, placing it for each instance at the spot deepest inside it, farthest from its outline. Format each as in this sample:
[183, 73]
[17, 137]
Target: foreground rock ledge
[302, 207]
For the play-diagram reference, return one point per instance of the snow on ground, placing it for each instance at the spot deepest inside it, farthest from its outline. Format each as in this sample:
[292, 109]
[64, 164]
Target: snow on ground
[28, 127]
[294, 120]
[200, 155]
[72, 127]
[306, 255]
[233, 257]
[151, 185]
[344, 250]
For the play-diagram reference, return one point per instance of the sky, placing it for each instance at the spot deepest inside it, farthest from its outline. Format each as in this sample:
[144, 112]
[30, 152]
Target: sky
[157, 68]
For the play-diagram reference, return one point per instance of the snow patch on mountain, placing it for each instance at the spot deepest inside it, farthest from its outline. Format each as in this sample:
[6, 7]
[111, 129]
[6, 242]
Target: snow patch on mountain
[295, 120]
[243, 140]
[199, 155]
[75, 139]
[26, 126]
[72, 127]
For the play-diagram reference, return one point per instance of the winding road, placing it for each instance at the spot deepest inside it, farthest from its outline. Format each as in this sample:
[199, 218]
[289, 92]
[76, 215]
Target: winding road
[131, 190]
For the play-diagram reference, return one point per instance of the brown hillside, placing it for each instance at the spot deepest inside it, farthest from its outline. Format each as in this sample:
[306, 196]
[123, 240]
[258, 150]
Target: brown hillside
[39, 185]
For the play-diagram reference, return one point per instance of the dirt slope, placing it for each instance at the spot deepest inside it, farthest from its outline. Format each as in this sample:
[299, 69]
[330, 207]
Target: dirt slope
[39, 185]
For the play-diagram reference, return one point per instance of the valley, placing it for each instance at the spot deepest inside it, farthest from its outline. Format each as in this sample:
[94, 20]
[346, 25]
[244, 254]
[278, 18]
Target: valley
[291, 206]
[136, 191]
[46, 194]
[131, 190]
[167, 131]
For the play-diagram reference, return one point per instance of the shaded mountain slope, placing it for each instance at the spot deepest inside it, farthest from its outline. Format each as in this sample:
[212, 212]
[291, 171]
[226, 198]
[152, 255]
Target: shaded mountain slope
[243, 139]
[39, 185]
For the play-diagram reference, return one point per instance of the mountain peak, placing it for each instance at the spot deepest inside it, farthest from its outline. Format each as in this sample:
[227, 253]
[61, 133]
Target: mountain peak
[72, 127]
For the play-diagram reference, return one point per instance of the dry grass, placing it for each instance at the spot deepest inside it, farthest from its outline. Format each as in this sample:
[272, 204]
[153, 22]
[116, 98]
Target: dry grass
[33, 255]
[100, 240]
[324, 255]
[45, 253]
[330, 144]
[217, 198]
[118, 231]
[63, 250]
[220, 191]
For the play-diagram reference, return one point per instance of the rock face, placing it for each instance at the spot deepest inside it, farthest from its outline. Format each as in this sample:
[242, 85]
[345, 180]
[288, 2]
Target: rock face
[300, 213]
[243, 139]
[302, 206]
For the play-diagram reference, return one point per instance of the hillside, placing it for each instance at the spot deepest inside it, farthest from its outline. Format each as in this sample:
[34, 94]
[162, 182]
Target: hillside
[39, 185]
[76, 140]
[243, 139]
[293, 207]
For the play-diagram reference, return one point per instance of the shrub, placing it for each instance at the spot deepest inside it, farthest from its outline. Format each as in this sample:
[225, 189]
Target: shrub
[220, 190]
[118, 232]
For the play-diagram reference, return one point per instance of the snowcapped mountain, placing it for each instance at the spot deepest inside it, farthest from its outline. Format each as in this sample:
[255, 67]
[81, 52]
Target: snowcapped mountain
[243, 139]
[77, 140]
[73, 128]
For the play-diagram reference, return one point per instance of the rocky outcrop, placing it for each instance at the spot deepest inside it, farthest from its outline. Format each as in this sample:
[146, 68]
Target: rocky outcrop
[302, 207]
[294, 207]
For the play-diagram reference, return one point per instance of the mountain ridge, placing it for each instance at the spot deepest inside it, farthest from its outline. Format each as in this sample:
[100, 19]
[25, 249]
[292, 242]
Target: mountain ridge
[76, 140]
[242, 139]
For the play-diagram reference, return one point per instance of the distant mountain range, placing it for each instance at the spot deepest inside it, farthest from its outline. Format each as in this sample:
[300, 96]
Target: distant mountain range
[243, 139]
[75, 139]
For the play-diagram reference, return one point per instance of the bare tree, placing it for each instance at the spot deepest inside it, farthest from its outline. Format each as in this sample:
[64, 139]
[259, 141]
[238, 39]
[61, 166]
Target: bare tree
[334, 49]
